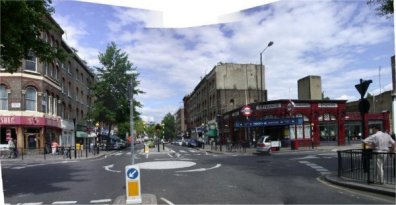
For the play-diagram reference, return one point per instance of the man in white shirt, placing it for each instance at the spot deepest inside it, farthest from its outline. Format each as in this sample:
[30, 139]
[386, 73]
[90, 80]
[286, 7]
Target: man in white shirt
[381, 143]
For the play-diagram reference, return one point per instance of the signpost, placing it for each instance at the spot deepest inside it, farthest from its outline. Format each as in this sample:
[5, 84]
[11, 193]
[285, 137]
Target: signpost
[132, 184]
[364, 105]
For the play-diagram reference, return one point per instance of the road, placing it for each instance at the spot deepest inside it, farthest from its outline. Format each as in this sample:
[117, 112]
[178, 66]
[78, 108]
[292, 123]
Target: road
[184, 176]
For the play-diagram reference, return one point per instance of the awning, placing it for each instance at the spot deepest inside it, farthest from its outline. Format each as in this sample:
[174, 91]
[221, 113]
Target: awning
[81, 134]
[92, 135]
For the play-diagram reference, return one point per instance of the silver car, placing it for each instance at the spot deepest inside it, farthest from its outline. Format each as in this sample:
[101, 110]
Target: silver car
[264, 145]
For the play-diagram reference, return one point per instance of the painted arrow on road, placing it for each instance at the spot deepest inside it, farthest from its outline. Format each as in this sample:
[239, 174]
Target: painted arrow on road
[107, 168]
[201, 169]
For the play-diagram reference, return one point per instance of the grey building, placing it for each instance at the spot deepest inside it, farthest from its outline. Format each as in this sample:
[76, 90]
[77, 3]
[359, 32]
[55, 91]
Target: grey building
[226, 87]
[180, 122]
[310, 88]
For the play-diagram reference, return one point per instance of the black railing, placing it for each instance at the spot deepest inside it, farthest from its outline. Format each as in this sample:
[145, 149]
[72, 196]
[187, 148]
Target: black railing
[46, 153]
[361, 165]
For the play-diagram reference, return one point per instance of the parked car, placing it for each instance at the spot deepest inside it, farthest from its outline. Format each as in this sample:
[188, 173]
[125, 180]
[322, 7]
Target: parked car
[192, 143]
[264, 145]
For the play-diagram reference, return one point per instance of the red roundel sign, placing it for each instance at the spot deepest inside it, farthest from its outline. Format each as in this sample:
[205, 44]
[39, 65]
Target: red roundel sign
[247, 110]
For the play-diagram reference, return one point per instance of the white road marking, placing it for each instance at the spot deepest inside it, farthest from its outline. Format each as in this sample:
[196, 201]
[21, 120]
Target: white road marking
[64, 202]
[166, 201]
[165, 165]
[201, 169]
[107, 168]
[182, 151]
[192, 150]
[170, 155]
[100, 201]
[118, 154]
[33, 203]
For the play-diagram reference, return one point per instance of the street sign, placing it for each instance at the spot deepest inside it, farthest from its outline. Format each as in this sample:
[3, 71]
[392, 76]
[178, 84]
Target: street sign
[363, 86]
[132, 184]
[364, 106]
[247, 111]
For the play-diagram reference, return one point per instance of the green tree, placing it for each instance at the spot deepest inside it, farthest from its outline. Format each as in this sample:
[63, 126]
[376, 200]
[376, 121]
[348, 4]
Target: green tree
[21, 25]
[169, 126]
[383, 7]
[111, 91]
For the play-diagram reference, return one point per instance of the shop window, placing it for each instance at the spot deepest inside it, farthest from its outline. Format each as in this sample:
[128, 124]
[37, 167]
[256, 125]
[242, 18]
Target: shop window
[6, 133]
[3, 98]
[30, 99]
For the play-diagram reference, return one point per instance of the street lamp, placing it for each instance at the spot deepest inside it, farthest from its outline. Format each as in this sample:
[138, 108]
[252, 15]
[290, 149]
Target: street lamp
[130, 91]
[261, 70]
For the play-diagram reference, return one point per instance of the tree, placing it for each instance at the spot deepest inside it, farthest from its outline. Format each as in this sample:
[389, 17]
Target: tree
[383, 7]
[169, 126]
[21, 25]
[111, 91]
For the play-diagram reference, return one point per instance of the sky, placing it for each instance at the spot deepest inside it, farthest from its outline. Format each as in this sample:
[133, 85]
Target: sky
[341, 41]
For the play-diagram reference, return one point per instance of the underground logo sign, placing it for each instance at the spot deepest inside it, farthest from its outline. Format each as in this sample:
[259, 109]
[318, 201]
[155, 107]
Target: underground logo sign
[246, 110]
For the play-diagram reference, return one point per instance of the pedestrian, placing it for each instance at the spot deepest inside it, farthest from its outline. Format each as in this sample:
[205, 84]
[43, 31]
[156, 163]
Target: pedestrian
[381, 142]
[11, 147]
[54, 147]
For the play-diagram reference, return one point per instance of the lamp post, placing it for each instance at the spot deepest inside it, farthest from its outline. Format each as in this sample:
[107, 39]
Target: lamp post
[130, 87]
[261, 70]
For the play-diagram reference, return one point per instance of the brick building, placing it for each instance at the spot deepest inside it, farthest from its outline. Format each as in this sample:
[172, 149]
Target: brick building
[40, 101]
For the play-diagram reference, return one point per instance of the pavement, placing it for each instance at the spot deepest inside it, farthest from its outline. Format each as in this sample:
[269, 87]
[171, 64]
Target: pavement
[385, 189]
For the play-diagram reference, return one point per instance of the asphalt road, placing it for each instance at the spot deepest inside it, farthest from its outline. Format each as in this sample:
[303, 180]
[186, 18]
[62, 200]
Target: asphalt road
[185, 176]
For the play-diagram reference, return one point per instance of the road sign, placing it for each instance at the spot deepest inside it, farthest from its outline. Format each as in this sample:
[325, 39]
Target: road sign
[132, 184]
[364, 106]
[247, 111]
[363, 86]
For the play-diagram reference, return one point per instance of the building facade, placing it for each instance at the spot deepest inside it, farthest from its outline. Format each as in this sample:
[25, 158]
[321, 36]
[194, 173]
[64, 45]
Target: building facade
[310, 88]
[309, 122]
[226, 87]
[180, 122]
[41, 100]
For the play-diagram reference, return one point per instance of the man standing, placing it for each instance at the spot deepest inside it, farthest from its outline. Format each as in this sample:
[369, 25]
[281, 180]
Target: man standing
[381, 143]
[11, 147]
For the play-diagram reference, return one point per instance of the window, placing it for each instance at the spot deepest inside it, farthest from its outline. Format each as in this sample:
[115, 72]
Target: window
[56, 72]
[82, 77]
[3, 98]
[51, 70]
[55, 107]
[68, 90]
[68, 67]
[46, 68]
[44, 103]
[30, 99]
[77, 93]
[63, 85]
[30, 61]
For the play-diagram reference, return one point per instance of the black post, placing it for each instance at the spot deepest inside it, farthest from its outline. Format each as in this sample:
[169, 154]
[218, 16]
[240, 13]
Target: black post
[75, 135]
[339, 163]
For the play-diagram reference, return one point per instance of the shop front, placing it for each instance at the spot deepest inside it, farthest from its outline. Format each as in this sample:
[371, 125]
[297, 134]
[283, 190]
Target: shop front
[30, 132]
[308, 122]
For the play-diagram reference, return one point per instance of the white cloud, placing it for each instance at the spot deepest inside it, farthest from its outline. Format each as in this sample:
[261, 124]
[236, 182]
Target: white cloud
[333, 39]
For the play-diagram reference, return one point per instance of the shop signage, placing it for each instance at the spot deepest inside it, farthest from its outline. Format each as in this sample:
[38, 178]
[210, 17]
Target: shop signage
[35, 121]
[269, 106]
[328, 105]
[247, 111]
[270, 122]
[16, 105]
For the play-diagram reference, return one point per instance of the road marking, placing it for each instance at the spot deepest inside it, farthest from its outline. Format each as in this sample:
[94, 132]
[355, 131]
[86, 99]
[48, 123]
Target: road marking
[166, 165]
[170, 155]
[33, 203]
[166, 201]
[182, 151]
[118, 154]
[100, 201]
[64, 202]
[107, 168]
[201, 169]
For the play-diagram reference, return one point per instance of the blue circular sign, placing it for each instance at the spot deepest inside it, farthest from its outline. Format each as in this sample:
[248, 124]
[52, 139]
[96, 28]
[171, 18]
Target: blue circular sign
[132, 173]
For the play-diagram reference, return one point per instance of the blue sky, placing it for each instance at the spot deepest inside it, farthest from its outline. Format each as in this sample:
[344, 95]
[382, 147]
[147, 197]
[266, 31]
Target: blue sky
[342, 41]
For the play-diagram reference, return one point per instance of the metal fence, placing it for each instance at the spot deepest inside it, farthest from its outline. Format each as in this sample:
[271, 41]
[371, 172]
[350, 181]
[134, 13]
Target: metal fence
[362, 165]
[46, 154]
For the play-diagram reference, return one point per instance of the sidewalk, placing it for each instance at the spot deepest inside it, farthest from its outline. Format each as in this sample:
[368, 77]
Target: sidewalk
[42, 158]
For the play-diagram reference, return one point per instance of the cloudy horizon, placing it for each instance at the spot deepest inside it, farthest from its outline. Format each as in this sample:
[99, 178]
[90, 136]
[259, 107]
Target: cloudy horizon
[341, 41]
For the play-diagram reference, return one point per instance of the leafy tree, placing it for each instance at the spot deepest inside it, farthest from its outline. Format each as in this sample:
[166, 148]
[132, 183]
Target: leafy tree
[150, 129]
[383, 7]
[21, 25]
[111, 91]
[169, 126]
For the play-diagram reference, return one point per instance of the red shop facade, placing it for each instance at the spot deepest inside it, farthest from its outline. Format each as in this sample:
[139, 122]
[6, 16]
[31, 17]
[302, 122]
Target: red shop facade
[305, 121]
